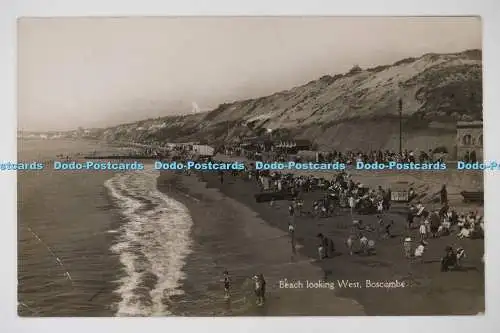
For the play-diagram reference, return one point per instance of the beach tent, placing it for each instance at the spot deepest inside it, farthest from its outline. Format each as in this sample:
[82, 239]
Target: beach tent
[203, 150]
[399, 192]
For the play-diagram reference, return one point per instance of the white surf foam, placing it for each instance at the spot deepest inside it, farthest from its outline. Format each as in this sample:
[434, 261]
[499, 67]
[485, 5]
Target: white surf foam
[157, 228]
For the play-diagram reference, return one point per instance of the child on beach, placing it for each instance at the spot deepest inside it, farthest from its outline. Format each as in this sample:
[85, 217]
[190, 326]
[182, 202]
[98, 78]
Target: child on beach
[460, 256]
[407, 247]
[321, 250]
[352, 203]
[380, 226]
[380, 207]
[331, 246]
[371, 247]
[388, 229]
[300, 203]
[326, 247]
[419, 252]
[422, 231]
[321, 246]
[363, 243]
[420, 210]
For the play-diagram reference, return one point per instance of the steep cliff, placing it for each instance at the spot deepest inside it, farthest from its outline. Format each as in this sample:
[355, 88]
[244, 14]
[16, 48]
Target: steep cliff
[358, 109]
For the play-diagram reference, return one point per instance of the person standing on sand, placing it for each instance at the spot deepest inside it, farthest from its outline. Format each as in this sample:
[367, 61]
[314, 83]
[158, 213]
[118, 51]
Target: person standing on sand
[427, 223]
[380, 226]
[422, 231]
[300, 203]
[326, 247]
[371, 248]
[444, 195]
[407, 247]
[321, 248]
[352, 203]
[363, 243]
[291, 230]
[259, 288]
[460, 256]
[263, 283]
[409, 218]
[443, 211]
[420, 210]
[380, 207]
[349, 245]
[388, 228]
[331, 247]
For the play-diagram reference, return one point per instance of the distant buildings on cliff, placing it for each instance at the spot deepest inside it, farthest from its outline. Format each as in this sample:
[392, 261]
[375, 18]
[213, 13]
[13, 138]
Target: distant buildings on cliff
[470, 140]
[52, 135]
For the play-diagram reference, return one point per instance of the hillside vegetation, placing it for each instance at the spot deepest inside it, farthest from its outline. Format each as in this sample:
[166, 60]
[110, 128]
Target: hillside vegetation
[355, 110]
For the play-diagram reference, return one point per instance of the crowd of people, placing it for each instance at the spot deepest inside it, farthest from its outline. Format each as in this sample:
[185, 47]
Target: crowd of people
[347, 157]
[343, 193]
[441, 223]
[340, 192]
[382, 156]
[337, 194]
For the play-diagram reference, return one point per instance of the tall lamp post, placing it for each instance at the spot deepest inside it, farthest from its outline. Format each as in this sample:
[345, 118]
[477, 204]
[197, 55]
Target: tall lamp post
[270, 132]
[400, 104]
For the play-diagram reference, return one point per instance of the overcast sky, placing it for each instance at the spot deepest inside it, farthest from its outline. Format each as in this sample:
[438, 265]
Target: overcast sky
[103, 71]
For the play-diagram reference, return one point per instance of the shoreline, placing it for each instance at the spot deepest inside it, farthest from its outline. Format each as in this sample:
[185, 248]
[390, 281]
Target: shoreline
[229, 235]
[430, 293]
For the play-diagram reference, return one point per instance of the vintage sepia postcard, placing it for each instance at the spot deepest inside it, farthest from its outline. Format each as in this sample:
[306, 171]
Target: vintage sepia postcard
[250, 166]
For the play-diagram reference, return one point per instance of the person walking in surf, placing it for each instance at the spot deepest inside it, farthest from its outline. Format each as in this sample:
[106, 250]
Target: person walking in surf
[227, 285]
[263, 286]
[259, 288]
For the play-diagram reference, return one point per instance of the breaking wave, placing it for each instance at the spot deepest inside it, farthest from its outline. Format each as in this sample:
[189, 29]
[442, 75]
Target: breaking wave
[152, 244]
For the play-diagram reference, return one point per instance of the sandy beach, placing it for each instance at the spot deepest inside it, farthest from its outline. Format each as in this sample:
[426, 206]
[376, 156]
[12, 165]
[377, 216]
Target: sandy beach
[246, 237]
[230, 235]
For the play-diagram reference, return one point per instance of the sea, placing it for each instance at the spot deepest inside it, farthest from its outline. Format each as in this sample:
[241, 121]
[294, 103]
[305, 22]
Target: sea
[106, 244]
[84, 249]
